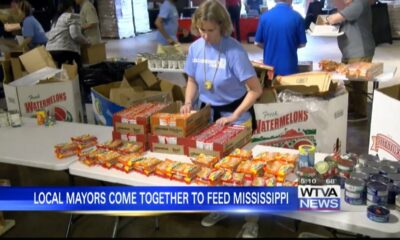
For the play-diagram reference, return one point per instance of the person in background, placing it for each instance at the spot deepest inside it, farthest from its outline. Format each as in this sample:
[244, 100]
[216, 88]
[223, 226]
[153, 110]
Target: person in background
[89, 21]
[32, 30]
[234, 7]
[280, 33]
[167, 23]
[219, 70]
[65, 36]
[253, 5]
[357, 45]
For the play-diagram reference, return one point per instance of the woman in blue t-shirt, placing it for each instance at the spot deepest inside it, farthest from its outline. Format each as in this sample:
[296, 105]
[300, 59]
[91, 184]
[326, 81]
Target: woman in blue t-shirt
[219, 69]
[32, 30]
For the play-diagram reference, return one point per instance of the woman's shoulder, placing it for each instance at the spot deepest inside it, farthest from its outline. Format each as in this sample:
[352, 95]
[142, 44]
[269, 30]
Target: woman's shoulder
[71, 17]
[233, 46]
[196, 45]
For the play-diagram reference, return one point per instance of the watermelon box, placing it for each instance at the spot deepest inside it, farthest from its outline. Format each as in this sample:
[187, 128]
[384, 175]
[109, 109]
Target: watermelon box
[318, 121]
[51, 89]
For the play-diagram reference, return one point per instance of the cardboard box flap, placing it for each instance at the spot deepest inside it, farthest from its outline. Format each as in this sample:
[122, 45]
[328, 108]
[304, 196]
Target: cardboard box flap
[269, 95]
[34, 78]
[393, 91]
[37, 59]
[150, 96]
[178, 93]
[105, 89]
[70, 72]
[140, 72]
[16, 67]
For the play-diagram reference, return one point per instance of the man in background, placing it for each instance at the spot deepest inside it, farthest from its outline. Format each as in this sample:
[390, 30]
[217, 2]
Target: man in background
[89, 21]
[234, 7]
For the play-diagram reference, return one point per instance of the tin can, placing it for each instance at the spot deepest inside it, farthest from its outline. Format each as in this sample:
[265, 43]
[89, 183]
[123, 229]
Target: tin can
[378, 214]
[380, 178]
[345, 165]
[41, 116]
[351, 156]
[14, 118]
[323, 169]
[4, 119]
[344, 174]
[395, 165]
[394, 178]
[354, 201]
[368, 170]
[394, 190]
[354, 185]
[377, 189]
[359, 175]
[398, 202]
[306, 156]
[366, 158]
[306, 172]
[380, 200]
[387, 169]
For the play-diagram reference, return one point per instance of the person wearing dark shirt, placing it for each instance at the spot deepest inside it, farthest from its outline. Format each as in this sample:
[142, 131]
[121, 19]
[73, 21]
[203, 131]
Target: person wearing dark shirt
[233, 7]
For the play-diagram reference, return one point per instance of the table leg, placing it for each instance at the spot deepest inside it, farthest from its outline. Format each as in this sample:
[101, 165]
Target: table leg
[115, 228]
[72, 220]
[157, 227]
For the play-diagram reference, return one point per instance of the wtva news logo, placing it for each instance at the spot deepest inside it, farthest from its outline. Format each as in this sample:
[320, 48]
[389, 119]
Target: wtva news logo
[319, 197]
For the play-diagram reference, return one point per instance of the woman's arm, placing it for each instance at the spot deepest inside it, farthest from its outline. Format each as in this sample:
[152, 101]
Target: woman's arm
[253, 93]
[190, 94]
[76, 34]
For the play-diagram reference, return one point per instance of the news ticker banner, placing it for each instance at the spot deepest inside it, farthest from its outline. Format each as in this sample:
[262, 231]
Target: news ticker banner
[167, 199]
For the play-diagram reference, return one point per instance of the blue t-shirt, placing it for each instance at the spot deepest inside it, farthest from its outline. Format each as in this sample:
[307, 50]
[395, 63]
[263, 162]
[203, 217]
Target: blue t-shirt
[282, 31]
[234, 69]
[32, 28]
[169, 14]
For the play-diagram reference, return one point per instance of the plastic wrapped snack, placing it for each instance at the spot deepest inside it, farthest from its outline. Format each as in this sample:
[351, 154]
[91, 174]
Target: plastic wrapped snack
[270, 180]
[86, 145]
[215, 177]
[66, 150]
[290, 158]
[258, 182]
[228, 163]
[111, 145]
[205, 160]
[147, 166]
[108, 159]
[185, 172]
[283, 171]
[243, 154]
[89, 157]
[84, 138]
[265, 157]
[202, 176]
[273, 167]
[232, 179]
[164, 169]
[128, 148]
[125, 162]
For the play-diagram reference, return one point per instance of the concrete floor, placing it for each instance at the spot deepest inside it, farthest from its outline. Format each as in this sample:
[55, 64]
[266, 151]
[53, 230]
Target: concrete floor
[50, 224]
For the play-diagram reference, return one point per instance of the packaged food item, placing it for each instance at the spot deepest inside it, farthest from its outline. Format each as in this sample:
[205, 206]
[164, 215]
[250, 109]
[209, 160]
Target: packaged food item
[258, 182]
[128, 148]
[215, 177]
[378, 214]
[147, 166]
[66, 150]
[111, 145]
[125, 162]
[232, 179]
[283, 171]
[84, 138]
[41, 116]
[164, 169]
[251, 169]
[205, 160]
[243, 154]
[228, 163]
[270, 180]
[107, 159]
[306, 155]
[265, 157]
[273, 167]
[202, 176]
[89, 157]
[185, 172]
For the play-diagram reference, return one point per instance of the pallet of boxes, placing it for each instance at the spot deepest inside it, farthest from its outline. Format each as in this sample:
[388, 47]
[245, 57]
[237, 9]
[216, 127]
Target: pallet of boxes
[5, 224]
[33, 82]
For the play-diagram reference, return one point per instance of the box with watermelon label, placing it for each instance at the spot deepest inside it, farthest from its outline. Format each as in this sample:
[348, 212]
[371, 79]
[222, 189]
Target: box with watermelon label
[53, 90]
[316, 121]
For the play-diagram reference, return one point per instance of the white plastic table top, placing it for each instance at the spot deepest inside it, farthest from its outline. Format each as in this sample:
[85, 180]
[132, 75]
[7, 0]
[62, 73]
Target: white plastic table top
[350, 218]
[33, 146]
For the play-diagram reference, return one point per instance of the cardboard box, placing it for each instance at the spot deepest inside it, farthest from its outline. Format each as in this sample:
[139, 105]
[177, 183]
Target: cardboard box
[184, 127]
[289, 125]
[385, 135]
[168, 144]
[220, 150]
[93, 54]
[362, 70]
[135, 138]
[60, 98]
[37, 59]
[324, 29]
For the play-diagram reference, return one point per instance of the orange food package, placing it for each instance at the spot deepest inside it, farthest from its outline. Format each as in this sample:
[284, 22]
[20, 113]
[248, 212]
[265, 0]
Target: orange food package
[111, 145]
[66, 150]
[202, 176]
[258, 182]
[270, 180]
[232, 179]
[128, 148]
[164, 169]
[84, 138]
[241, 153]
[265, 157]
[125, 162]
[89, 157]
[251, 169]
[273, 167]
[185, 172]
[147, 166]
[205, 160]
[108, 158]
[228, 163]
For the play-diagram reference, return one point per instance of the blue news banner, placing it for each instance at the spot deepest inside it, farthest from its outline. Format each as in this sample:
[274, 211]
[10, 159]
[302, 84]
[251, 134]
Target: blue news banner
[227, 199]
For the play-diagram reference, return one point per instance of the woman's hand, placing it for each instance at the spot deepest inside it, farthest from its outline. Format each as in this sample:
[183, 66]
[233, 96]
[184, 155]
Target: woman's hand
[227, 120]
[186, 109]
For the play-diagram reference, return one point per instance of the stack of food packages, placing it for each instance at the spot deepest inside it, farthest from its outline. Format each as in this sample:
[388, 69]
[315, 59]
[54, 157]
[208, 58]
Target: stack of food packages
[133, 124]
[241, 169]
[163, 61]
[170, 120]
[77, 145]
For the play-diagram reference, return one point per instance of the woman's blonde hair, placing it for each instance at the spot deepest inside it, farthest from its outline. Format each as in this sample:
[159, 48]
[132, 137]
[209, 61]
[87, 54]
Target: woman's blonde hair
[213, 11]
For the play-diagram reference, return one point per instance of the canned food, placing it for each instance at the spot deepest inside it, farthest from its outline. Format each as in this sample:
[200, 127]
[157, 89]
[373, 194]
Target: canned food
[380, 178]
[359, 176]
[306, 156]
[345, 165]
[354, 201]
[385, 162]
[344, 174]
[366, 158]
[373, 164]
[368, 170]
[14, 118]
[41, 116]
[355, 195]
[378, 214]
[377, 199]
[4, 119]
[394, 189]
[395, 165]
[354, 185]
[323, 169]
[351, 156]
[306, 172]
[394, 178]
[385, 170]
[377, 189]
[398, 202]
